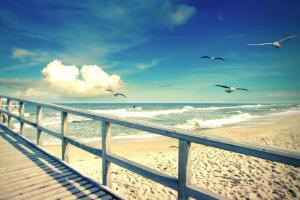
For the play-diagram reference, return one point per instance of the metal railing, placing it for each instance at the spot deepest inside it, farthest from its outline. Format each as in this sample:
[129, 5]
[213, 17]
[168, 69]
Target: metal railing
[181, 184]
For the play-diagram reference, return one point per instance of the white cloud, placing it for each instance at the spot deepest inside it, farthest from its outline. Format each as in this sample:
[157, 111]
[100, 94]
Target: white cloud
[21, 53]
[144, 66]
[182, 14]
[69, 81]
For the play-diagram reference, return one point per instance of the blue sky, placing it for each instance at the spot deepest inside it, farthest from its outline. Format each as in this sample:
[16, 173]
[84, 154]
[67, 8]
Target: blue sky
[153, 47]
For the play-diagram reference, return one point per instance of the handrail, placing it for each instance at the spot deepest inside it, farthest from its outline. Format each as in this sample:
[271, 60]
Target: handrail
[181, 184]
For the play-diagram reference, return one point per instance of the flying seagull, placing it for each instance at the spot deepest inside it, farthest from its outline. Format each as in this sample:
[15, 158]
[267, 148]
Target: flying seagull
[120, 94]
[213, 58]
[276, 44]
[230, 89]
[116, 94]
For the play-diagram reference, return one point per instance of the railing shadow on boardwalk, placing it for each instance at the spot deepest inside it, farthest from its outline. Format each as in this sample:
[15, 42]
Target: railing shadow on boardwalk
[50, 166]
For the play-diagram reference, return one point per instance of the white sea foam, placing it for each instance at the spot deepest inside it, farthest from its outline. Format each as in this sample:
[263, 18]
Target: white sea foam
[56, 120]
[140, 113]
[197, 123]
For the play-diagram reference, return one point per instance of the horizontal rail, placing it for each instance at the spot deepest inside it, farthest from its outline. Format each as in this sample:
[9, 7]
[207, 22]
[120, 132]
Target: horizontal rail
[145, 171]
[92, 150]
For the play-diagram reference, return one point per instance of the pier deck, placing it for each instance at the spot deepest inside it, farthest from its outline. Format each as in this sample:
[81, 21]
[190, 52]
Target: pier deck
[27, 172]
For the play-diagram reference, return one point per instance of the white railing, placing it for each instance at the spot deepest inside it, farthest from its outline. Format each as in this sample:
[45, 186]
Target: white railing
[180, 184]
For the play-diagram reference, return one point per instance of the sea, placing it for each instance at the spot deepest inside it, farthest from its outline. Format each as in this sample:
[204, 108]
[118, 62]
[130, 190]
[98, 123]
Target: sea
[191, 117]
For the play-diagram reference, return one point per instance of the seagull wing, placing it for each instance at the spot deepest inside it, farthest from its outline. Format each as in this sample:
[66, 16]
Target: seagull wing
[288, 38]
[205, 57]
[261, 44]
[219, 58]
[120, 94]
[223, 86]
[242, 89]
[110, 91]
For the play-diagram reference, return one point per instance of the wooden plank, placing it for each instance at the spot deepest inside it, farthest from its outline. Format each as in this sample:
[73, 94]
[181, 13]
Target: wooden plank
[34, 174]
[21, 113]
[21, 161]
[106, 197]
[83, 188]
[92, 150]
[82, 194]
[58, 189]
[97, 194]
[39, 121]
[23, 170]
[38, 185]
[4, 168]
[146, 172]
[48, 191]
[42, 169]
[64, 132]
[27, 183]
[184, 168]
[106, 167]
[45, 181]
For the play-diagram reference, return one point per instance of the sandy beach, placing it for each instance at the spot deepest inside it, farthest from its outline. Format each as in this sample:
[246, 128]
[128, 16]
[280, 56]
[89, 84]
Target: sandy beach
[232, 175]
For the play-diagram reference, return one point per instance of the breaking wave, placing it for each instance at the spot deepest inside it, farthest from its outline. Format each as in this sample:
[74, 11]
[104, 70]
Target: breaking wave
[196, 123]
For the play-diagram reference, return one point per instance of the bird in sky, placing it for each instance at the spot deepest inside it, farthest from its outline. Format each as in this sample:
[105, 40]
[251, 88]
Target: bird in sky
[116, 94]
[276, 44]
[213, 58]
[120, 94]
[230, 89]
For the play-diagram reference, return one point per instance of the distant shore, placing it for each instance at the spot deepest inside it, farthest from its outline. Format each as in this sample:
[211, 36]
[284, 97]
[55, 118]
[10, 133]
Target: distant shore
[233, 175]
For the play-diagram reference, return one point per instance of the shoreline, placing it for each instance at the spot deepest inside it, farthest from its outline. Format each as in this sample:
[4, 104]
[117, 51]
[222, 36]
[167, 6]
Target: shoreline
[262, 122]
[232, 175]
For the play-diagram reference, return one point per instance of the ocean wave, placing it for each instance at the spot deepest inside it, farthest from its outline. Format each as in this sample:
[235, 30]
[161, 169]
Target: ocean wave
[140, 113]
[196, 123]
[56, 120]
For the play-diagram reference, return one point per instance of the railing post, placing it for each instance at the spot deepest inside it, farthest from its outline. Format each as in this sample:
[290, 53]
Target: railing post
[9, 109]
[39, 118]
[21, 114]
[1, 115]
[106, 167]
[64, 131]
[184, 171]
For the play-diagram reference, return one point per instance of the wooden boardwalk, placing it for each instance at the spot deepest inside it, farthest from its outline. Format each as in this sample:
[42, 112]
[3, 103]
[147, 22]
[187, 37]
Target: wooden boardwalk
[27, 172]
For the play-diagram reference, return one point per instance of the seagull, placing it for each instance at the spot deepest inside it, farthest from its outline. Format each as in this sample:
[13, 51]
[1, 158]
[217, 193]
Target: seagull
[120, 94]
[213, 58]
[230, 89]
[276, 44]
[116, 94]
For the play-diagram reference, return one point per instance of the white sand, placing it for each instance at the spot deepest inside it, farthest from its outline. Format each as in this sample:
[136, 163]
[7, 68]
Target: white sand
[233, 175]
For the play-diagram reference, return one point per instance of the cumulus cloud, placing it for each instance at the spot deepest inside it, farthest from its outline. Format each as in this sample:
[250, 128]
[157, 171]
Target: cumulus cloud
[69, 81]
[21, 53]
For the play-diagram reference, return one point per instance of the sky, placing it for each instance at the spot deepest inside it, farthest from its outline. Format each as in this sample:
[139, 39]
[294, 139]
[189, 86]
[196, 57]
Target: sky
[74, 51]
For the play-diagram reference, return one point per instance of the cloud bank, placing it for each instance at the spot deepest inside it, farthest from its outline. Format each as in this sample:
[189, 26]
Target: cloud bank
[69, 81]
